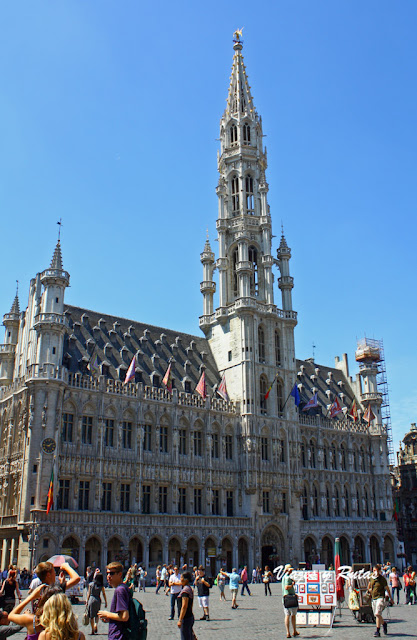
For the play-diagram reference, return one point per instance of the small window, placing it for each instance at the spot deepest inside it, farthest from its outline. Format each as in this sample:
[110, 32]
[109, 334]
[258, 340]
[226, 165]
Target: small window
[229, 504]
[215, 508]
[233, 135]
[183, 442]
[265, 502]
[198, 500]
[235, 195]
[277, 349]
[57, 300]
[264, 448]
[163, 439]
[246, 134]
[229, 447]
[146, 498]
[263, 386]
[198, 444]
[229, 355]
[163, 499]
[187, 386]
[182, 500]
[250, 201]
[35, 468]
[253, 258]
[32, 501]
[147, 437]
[45, 543]
[54, 350]
[215, 445]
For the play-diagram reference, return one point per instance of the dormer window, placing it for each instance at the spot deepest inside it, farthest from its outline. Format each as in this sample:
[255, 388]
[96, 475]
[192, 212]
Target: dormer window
[233, 135]
[246, 134]
[235, 195]
[250, 203]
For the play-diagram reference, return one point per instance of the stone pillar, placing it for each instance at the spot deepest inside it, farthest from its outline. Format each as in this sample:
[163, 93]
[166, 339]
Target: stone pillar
[81, 558]
[235, 554]
[104, 556]
[4, 554]
[13, 551]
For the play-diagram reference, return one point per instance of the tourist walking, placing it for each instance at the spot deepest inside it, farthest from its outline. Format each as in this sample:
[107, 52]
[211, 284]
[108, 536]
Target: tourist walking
[119, 608]
[289, 601]
[203, 591]
[233, 585]
[395, 582]
[266, 579]
[410, 585]
[129, 581]
[186, 617]
[9, 590]
[221, 582]
[377, 588]
[158, 578]
[244, 579]
[94, 593]
[162, 579]
[59, 620]
[175, 585]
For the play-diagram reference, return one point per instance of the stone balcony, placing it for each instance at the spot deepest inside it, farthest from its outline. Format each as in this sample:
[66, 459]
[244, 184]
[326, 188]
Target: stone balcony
[7, 349]
[374, 397]
[50, 320]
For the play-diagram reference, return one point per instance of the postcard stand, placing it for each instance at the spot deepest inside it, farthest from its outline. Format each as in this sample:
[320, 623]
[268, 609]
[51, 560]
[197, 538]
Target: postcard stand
[317, 600]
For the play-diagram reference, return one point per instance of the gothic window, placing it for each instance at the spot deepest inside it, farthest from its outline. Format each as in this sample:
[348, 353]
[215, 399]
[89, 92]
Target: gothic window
[235, 196]
[63, 494]
[83, 495]
[215, 445]
[264, 448]
[358, 500]
[182, 500]
[355, 459]
[106, 497]
[263, 386]
[198, 446]
[343, 456]
[280, 397]
[108, 432]
[146, 498]
[183, 442]
[163, 439]
[277, 349]
[265, 502]
[125, 497]
[312, 454]
[337, 502]
[250, 207]
[246, 134]
[282, 454]
[347, 506]
[163, 499]
[363, 468]
[327, 502]
[305, 503]
[233, 135]
[87, 429]
[198, 507]
[127, 435]
[215, 508]
[366, 503]
[67, 426]
[284, 502]
[229, 447]
[303, 454]
[229, 504]
[147, 437]
[334, 464]
[261, 344]
[235, 261]
[325, 463]
[253, 258]
[315, 502]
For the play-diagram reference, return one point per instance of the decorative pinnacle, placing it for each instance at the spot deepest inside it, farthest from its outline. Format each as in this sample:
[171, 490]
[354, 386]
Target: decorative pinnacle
[237, 35]
[15, 306]
[56, 262]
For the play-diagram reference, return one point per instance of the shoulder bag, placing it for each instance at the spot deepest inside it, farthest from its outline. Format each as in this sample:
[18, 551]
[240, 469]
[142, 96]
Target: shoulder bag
[291, 601]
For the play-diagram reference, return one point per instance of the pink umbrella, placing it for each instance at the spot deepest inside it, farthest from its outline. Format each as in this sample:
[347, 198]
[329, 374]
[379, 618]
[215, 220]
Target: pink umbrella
[59, 560]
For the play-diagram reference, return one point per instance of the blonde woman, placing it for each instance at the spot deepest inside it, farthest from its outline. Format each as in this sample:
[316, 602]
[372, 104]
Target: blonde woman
[59, 621]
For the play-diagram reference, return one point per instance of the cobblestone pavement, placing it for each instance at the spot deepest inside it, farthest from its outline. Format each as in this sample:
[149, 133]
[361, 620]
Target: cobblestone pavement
[257, 616]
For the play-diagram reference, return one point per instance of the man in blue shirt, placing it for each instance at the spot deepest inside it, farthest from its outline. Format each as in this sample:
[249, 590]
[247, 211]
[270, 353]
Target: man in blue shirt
[233, 585]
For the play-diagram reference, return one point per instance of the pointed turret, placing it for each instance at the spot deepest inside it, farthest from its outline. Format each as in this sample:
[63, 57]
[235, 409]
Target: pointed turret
[8, 349]
[239, 100]
[15, 308]
[56, 262]
[208, 286]
[285, 282]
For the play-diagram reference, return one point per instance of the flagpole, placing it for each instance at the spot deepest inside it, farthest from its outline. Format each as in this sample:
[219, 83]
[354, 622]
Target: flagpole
[288, 397]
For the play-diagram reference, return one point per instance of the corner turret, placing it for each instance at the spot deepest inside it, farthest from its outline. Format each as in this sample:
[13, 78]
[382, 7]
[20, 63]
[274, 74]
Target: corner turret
[285, 282]
[8, 349]
[208, 286]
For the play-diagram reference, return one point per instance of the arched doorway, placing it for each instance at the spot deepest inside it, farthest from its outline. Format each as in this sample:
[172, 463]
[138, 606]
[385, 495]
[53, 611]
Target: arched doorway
[327, 551]
[227, 554]
[375, 550]
[174, 552]
[71, 547]
[210, 553]
[115, 550]
[192, 553]
[135, 551]
[272, 547]
[389, 555]
[310, 551]
[155, 552]
[359, 550]
[242, 553]
[93, 552]
[344, 551]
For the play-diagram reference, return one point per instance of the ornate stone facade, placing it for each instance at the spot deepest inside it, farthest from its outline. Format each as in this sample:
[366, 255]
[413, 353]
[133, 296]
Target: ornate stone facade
[405, 494]
[142, 473]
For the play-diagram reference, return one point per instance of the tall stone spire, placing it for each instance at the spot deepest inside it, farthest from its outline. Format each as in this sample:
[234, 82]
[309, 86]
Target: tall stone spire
[56, 262]
[239, 100]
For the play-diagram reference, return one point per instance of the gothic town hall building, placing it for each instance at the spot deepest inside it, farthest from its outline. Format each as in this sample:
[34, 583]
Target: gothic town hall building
[148, 475]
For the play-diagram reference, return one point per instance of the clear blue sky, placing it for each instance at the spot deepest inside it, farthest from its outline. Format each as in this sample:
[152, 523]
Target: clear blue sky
[109, 116]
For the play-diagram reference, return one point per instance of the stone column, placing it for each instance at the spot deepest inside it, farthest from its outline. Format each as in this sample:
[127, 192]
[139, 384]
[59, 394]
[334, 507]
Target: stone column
[146, 553]
[4, 554]
[13, 551]
[235, 554]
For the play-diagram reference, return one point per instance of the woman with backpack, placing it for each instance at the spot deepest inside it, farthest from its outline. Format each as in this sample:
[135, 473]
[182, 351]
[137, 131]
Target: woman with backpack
[186, 618]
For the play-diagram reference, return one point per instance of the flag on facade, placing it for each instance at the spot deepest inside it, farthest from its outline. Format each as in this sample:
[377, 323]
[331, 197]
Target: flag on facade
[296, 395]
[368, 415]
[340, 592]
[201, 388]
[270, 387]
[167, 380]
[50, 500]
[336, 408]
[353, 411]
[130, 374]
[312, 403]
[93, 364]
[222, 391]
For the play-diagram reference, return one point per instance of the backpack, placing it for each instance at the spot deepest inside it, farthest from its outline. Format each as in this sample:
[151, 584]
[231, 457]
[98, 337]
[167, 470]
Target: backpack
[136, 626]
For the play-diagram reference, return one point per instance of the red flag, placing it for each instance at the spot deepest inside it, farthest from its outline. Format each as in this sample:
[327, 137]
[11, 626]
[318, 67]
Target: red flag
[353, 411]
[221, 389]
[167, 381]
[130, 374]
[335, 408]
[369, 416]
[340, 592]
[201, 388]
[50, 493]
[270, 387]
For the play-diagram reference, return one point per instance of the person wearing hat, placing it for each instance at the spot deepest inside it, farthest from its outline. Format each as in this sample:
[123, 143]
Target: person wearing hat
[288, 590]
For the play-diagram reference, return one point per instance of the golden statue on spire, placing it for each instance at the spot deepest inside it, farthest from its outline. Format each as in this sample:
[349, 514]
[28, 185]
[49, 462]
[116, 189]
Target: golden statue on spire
[237, 35]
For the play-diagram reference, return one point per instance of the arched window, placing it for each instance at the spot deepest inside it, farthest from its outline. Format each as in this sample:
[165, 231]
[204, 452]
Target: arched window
[235, 195]
[347, 505]
[235, 261]
[250, 206]
[261, 344]
[312, 454]
[315, 502]
[325, 457]
[305, 503]
[280, 397]
[277, 349]
[358, 500]
[233, 135]
[355, 459]
[363, 467]
[263, 387]
[328, 512]
[366, 503]
[253, 258]
[246, 134]
[343, 456]
[337, 502]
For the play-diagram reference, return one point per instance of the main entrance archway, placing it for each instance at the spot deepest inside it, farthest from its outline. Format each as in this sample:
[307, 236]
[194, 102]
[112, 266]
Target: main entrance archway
[93, 552]
[359, 550]
[272, 547]
[327, 552]
[135, 551]
[174, 552]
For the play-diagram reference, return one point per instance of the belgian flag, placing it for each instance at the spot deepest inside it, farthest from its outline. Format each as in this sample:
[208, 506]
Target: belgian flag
[50, 501]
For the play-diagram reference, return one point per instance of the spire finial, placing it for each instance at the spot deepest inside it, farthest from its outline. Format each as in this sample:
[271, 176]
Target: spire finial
[17, 288]
[282, 228]
[237, 35]
[59, 223]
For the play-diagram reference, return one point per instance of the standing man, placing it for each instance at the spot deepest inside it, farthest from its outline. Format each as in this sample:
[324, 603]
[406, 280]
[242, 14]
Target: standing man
[377, 588]
[175, 588]
[244, 578]
[119, 608]
[288, 590]
[233, 585]
[203, 590]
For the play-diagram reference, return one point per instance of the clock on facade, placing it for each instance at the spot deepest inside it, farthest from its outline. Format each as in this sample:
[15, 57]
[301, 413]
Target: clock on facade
[48, 445]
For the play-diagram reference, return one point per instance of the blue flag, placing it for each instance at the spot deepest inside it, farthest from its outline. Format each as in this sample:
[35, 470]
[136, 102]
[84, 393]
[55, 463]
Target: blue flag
[296, 395]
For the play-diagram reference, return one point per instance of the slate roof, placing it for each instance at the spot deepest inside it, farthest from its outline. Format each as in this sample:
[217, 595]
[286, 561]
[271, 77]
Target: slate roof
[317, 376]
[116, 340]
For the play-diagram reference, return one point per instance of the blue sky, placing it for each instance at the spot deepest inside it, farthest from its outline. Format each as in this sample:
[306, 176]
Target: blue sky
[109, 116]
